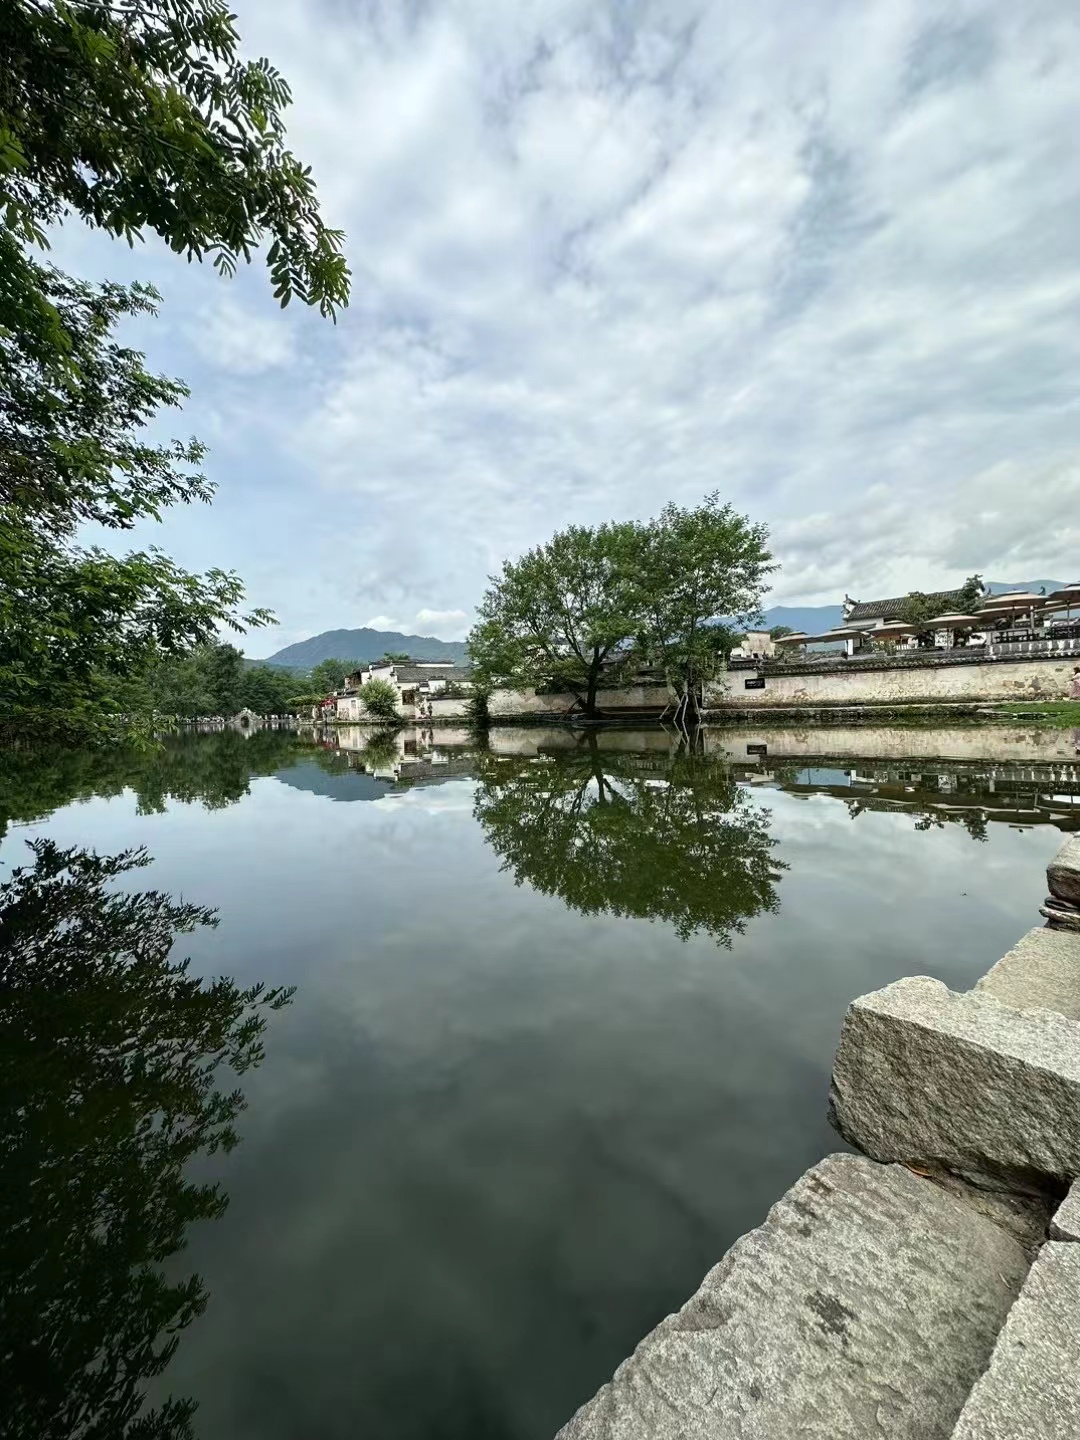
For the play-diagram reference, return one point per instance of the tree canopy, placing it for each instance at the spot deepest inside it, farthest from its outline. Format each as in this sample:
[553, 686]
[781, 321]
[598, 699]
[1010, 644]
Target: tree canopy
[677, 840]
[136, 118]
[592, 606]
[76, 624]
[329, 675]
[917, 610]
[380, 699]
[698, 579]
[71, 442]
[562, 614]
[111, 1057]
[971, 593]
[142, 117]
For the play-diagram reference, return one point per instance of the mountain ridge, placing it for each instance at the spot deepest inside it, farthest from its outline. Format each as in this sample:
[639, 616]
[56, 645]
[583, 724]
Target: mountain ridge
[366, 644]
[363, 645]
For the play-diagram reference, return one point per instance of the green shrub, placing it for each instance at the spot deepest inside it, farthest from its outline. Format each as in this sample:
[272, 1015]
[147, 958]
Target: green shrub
[380, 699]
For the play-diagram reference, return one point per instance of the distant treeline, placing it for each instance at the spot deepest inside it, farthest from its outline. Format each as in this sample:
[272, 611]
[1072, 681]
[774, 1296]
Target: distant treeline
[214, 680]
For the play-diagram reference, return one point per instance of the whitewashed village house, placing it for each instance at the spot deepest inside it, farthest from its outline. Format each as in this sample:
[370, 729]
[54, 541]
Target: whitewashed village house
[422, 688]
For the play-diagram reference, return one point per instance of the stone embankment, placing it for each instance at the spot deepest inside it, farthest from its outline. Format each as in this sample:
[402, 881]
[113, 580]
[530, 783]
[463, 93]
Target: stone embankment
[927, 1288]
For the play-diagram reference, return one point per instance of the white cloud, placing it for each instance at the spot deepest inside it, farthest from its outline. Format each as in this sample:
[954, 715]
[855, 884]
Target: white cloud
[820, 257]
[448, 624]
[236, 338]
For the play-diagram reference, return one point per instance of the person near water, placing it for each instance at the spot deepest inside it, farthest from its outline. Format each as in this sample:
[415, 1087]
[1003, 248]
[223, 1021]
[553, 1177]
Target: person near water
[1074, 684]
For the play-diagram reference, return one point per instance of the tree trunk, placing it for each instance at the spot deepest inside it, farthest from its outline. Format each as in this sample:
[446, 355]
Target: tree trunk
[593, 685]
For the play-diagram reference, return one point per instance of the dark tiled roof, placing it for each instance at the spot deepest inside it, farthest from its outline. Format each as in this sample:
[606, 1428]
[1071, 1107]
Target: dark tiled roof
[416, 675]
[943, 601]
[412, 674]
[454, 672]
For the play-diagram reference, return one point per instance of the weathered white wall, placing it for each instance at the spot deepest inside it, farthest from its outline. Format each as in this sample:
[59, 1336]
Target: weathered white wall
[1012, 680]
[350, 708]
[526, 702]
[446, 708]
[507, 703]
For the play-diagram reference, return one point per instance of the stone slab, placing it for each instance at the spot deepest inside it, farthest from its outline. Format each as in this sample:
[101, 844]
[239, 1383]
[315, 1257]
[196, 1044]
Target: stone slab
[1065, 1223]
[961, 1083]
[1041, 972]
[1032, 1389]
[1063, 872]
[867, 1304]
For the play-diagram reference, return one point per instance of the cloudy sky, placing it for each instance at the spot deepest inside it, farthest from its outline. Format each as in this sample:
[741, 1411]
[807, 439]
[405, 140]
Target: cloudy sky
[820, 255]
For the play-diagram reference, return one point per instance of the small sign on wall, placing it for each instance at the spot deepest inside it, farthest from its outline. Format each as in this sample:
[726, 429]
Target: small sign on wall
[757, 749]
[756, 682]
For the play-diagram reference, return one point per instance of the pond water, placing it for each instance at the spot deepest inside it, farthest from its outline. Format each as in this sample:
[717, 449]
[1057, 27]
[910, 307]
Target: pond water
[564, 1015]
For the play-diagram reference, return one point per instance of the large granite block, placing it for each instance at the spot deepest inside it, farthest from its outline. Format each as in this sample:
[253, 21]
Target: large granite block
[866, 1305]
[961, 1083]
[1062, 905]
[1040, 972]
[1032, 1389]
[1065, 1224]
[1063, 872]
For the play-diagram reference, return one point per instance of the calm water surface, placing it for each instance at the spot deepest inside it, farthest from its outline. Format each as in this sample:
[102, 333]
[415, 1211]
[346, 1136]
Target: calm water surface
[564, 1017]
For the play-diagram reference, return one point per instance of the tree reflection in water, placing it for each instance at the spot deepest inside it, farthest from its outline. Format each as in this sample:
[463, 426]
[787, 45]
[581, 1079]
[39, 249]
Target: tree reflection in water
[215, 770]
[672, 838]
[110, 1060]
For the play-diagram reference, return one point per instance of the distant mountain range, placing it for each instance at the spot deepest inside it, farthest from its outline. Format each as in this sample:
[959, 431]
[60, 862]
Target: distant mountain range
[363, 645]
[816, 619]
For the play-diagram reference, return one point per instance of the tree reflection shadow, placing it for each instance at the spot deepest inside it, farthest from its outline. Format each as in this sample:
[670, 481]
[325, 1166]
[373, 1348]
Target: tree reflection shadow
[213, 770]
[672, 838]
[111, 1056]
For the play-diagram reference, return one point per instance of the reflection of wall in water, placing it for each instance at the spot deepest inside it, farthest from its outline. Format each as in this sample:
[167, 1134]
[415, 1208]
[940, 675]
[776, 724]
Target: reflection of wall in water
[887, 742]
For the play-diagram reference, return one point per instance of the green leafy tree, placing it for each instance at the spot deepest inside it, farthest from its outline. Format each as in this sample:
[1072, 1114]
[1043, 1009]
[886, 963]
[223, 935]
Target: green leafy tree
[267, 690]
[141, 118]
[695, 568]
[111, 1058]
[205, 681]
[396, 657]
[380, 699]
[329, 675]
[78, 625]
[777, 632]
[71, 442]
[597, 830]
[75, 624]
[917, 610]
[562, 615]
[137, 118]
[971, 594]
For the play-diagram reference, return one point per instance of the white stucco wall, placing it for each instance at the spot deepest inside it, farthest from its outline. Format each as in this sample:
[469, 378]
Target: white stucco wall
[1010, 680]
[446, 708]
[509, 703]
[352, 708]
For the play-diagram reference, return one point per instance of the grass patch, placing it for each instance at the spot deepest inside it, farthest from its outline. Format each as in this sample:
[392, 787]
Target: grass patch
[1059, 712]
